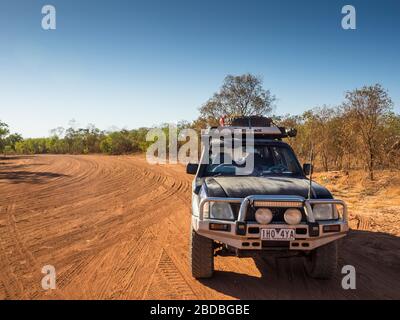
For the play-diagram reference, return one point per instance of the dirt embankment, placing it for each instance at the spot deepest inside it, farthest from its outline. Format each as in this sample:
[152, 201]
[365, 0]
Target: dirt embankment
[117, 228]
[374, 205]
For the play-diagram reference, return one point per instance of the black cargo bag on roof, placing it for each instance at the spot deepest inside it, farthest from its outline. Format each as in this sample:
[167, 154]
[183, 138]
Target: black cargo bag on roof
[252, 121]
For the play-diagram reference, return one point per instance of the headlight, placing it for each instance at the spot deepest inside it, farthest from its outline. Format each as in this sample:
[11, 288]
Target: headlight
[221, 211]
[325, 212]
[206, 208]
[263, 215]
[216, 210]
[292, 216]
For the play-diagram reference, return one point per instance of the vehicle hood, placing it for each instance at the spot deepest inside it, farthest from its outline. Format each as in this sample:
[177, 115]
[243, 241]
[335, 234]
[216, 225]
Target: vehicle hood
[241, 187]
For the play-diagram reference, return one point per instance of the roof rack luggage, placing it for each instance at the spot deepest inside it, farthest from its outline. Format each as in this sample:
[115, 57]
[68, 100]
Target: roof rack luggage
[252, 121]
[262, 127]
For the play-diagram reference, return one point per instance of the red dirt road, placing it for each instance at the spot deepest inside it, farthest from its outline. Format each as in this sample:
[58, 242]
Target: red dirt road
[118, 228]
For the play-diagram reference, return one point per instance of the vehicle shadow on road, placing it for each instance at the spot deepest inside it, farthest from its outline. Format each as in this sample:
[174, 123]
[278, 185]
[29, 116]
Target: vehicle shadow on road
[20, 157]
[375, 256]
[29, 176]
[14, 172]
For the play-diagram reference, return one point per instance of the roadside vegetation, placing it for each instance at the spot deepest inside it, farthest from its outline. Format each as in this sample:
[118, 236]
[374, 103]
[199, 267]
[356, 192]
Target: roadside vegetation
[361, 133]
[77, 141]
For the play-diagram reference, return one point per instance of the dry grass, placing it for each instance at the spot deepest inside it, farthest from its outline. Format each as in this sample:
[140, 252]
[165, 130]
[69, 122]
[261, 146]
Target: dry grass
[373, 205]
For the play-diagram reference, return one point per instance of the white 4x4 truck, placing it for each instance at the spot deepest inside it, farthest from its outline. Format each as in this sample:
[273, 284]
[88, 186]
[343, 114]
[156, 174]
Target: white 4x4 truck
[273, 209]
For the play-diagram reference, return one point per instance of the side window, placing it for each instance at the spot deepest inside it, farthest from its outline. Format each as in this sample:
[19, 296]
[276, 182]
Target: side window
[280, 156]
[290, 160]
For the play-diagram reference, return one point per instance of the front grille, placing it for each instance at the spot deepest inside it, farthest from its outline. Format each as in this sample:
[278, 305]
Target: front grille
[275, 244]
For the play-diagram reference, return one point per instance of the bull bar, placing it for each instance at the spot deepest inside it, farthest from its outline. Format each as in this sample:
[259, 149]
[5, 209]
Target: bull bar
[300, 201]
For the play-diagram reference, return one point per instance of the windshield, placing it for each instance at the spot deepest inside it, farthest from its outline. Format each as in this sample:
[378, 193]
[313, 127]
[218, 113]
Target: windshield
[268, 160]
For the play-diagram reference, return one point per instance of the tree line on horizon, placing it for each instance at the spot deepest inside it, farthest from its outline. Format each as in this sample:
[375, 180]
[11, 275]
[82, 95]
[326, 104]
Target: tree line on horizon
[88, 140]
[362, 132]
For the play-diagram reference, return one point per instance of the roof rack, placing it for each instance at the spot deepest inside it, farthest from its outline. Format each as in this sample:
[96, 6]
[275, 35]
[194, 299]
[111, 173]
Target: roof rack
[262, 127]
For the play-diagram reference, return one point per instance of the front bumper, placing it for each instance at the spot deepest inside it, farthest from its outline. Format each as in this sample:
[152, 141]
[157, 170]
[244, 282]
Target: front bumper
[244, 235]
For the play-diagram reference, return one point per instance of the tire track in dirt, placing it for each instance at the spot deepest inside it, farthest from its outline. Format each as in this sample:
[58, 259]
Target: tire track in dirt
[169, 282]
[19, 259]
[11, 287]
[117, 228]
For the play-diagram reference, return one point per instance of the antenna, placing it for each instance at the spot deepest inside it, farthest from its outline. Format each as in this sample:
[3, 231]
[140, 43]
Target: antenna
[311, 170]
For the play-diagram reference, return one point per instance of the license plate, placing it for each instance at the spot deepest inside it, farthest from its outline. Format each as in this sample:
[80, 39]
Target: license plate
[277, 234]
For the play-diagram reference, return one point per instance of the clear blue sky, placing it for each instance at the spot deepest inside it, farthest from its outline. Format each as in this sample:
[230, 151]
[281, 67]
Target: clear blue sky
[140, 63]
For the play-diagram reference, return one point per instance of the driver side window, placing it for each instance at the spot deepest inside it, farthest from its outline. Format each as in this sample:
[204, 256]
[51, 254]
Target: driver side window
[282, 157]
[279, 157]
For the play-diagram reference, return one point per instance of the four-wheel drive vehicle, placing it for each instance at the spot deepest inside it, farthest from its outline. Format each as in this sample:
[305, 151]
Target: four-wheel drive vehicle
[274, 209]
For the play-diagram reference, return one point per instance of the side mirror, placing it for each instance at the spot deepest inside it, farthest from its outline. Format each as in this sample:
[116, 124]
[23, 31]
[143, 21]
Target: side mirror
[191, 168]
[291, 132]
[307, 168]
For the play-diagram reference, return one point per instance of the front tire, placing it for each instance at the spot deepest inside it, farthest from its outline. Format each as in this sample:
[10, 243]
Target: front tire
[201, 256]
[321, 263]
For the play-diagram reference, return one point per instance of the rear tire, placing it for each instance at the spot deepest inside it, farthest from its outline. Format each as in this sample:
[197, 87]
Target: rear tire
[201, 256]
[321, 263]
